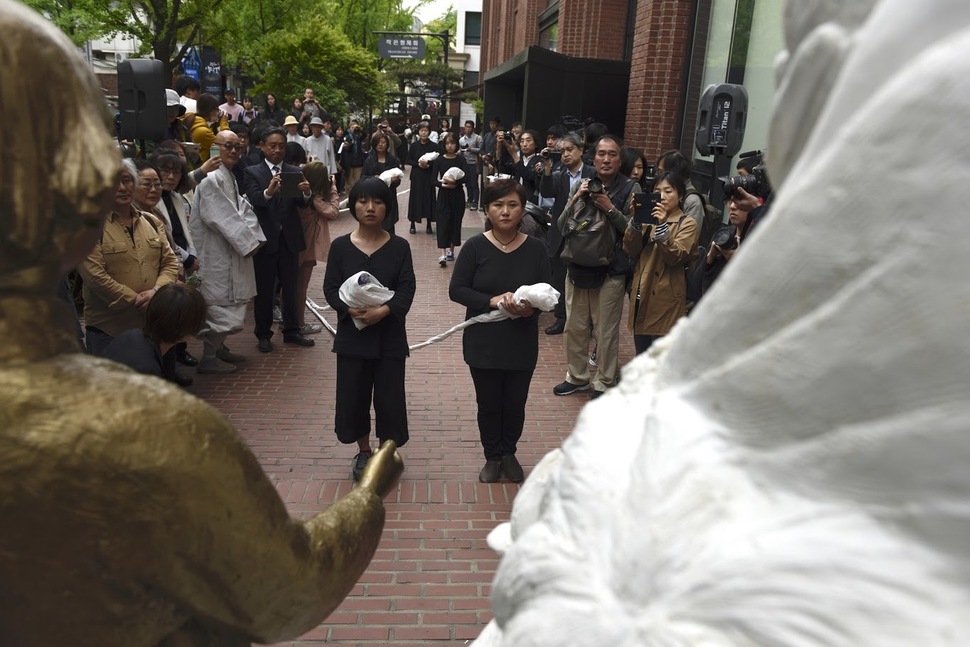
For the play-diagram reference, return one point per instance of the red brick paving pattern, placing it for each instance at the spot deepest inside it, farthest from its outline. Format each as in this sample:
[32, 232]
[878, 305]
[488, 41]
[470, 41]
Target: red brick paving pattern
[430, 579]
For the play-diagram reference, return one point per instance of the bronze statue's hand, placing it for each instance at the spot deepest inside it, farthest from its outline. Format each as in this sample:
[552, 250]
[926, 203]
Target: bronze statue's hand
[383, 470]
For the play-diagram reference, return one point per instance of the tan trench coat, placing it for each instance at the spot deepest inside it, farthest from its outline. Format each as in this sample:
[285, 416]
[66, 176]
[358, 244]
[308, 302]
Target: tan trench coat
[659, 279]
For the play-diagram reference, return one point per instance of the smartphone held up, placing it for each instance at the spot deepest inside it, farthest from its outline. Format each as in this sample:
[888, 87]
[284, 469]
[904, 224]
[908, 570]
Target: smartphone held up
[643, 206]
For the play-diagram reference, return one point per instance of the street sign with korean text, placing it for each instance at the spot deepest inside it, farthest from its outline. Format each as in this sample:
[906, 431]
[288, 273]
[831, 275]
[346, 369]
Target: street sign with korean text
[401, 47]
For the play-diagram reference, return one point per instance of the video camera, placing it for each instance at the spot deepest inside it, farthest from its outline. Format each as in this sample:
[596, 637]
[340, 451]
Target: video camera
[755, 182]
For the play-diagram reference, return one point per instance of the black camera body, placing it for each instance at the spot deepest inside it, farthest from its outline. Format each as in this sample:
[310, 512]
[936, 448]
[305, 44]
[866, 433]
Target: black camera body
[755, 183]
[726, 237]
[595, 185]
[547, 154]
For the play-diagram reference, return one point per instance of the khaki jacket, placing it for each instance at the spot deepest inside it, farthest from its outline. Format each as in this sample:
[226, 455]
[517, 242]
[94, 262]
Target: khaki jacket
[658, 293]
[118, 268]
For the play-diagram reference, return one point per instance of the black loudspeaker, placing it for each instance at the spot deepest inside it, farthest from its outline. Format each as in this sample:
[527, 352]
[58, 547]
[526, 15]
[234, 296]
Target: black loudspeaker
[141, 99]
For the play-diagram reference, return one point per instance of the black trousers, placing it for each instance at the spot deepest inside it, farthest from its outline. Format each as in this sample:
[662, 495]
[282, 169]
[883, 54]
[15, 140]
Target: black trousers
[642, 343]
[282, 265]
[501, 397]
[358, 381]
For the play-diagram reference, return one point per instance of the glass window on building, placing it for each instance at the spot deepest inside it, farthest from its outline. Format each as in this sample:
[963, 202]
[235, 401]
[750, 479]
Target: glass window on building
[473, 27]
[549, 37]
[744, 38]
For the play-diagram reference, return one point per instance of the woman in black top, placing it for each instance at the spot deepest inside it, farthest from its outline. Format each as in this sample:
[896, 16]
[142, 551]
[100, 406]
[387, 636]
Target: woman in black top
[370, 360]
[421, 201]
[451, 198]
[381, 159]
[501, 355]
[272, 111]
[175, 314]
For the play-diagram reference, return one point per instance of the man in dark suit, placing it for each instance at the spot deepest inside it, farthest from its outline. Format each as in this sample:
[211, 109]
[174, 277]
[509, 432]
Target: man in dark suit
[556, 183]
[279, 258]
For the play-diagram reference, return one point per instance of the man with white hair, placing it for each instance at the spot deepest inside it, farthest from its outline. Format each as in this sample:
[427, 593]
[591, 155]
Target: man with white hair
[227, 234]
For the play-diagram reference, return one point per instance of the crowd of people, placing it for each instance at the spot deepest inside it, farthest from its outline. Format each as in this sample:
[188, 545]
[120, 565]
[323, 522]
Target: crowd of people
[237, 203]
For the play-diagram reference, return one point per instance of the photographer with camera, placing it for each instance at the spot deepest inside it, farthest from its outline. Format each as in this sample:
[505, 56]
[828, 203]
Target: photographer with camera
[750, 188]
[593, 220]
[662, 241]
[563, 170]
[726, 242]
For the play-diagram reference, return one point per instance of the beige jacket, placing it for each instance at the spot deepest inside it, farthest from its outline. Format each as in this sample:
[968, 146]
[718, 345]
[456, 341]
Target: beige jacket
[122, 265]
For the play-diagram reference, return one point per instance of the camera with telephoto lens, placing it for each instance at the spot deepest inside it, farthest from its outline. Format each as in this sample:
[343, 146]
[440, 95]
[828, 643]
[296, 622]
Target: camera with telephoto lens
[755, 182]
[726, 237]
[595, 185]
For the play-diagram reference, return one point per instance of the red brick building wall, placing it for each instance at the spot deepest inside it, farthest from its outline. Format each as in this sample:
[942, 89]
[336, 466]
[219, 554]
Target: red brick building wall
[659, 68]
[592, 29]
[662, 51]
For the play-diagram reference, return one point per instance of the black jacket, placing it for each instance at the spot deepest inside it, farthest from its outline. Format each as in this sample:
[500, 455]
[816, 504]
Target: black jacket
[277, 214]
[556, 185]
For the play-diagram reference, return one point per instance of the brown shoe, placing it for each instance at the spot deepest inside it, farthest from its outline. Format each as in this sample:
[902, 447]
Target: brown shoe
[512, 469]
[491, 472]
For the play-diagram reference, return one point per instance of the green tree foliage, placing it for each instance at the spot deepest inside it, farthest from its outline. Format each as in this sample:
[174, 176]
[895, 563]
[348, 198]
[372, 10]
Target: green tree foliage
[76, 18]
[165, 27]
[314, 54]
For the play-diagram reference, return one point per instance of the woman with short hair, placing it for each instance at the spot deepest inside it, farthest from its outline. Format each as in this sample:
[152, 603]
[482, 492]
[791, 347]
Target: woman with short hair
[658, 296]
[176, 313]
[501, 355]
[130, 262]
[371, 343]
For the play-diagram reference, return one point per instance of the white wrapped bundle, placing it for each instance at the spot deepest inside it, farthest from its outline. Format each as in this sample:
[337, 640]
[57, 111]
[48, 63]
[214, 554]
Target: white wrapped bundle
[541, 295]
[390, 175]
[454, 173]
[362, 290]
[428, 157]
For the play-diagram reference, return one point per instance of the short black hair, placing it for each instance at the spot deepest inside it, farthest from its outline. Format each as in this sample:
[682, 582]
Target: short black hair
[176, 311]
[594, 132]
[239, 128]
[675, 162]
[168, 161]
[295, 154]
[272, 130]
[369, 187]
[500, 189]
[469, 121]
[185, 83]
[206, 104]
[675, 181]
[556, 131]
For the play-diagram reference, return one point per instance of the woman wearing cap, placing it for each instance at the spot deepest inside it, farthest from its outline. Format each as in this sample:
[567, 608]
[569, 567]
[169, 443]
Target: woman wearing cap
[421, 201]
[176, 130]
[370, 360]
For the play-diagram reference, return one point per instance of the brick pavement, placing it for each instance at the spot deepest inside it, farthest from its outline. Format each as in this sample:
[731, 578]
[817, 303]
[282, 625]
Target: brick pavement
[429, 581]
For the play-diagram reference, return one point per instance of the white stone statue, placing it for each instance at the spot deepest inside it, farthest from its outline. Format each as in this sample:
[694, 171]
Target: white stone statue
[797, 455]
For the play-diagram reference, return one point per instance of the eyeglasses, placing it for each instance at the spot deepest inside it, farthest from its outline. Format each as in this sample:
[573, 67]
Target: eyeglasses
[231, 147]
[150, 185]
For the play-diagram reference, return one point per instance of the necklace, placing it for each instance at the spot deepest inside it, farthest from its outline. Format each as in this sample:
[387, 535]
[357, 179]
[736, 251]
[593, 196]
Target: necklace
[505, 246]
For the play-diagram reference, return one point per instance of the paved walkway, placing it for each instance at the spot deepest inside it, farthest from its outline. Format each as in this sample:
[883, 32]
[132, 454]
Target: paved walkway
[430, 580]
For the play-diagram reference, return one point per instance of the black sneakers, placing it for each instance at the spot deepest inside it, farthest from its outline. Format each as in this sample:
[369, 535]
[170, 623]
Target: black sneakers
[360, 462]
[568, 388]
